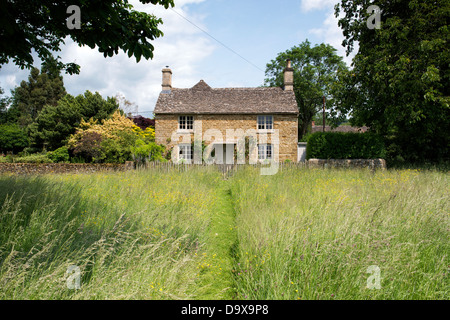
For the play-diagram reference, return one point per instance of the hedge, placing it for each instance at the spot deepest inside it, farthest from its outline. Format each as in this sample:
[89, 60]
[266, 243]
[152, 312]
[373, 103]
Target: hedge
[345, 145]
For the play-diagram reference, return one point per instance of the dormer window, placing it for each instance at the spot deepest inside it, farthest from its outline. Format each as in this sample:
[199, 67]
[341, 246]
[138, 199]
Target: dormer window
[265, 123]
[186, 123]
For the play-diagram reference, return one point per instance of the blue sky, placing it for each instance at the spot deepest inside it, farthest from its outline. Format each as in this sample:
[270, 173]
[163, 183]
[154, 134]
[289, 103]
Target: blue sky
[256, 29]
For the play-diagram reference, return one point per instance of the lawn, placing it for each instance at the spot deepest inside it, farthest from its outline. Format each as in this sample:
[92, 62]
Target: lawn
[158, 234]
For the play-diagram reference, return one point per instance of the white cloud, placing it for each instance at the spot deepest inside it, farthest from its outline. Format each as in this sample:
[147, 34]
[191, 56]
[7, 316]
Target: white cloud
[11, 81]
[309, 5]
[11, 76]
[331, 33]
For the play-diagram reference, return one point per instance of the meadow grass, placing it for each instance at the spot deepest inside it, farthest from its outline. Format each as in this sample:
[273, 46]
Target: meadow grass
[153, 234]
[313, 234]
[134, 235]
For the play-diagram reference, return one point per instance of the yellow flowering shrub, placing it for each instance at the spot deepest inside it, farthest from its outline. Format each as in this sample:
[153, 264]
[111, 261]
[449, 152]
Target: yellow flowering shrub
[146, 135]
[108, 129]
[118, 135]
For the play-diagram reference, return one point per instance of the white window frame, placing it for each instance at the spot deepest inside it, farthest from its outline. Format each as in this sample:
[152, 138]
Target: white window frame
[263, 150]
[185, 119]
[267, 123]
[185, 152]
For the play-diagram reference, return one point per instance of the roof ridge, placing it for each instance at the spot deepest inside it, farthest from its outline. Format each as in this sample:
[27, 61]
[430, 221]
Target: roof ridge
[234, 88]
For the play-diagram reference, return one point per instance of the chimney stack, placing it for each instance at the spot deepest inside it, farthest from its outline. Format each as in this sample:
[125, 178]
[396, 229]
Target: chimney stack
[166, 79]
[288, 76]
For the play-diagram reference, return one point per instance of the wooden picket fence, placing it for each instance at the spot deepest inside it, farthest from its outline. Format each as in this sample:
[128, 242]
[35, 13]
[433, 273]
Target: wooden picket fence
[226, 169]
[229, 169]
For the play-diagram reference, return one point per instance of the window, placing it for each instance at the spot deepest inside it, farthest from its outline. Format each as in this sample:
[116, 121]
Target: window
[186, 123]
[185, 152]
[265, 152]
[265, 122]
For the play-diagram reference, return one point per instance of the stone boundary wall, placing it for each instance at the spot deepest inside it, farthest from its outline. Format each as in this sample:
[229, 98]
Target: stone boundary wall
[58, 168]
[43, 168]
[347, 163]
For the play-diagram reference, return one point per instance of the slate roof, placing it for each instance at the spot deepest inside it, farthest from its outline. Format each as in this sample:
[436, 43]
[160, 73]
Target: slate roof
[202, 99]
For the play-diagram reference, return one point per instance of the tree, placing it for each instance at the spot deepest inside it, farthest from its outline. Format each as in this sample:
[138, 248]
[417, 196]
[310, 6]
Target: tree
[12, 138]
[399, 85]
[55, 124]
[143, 122]
[42, 88]
[3, 107]
[315, 70]
[43, 26]
[125, 105]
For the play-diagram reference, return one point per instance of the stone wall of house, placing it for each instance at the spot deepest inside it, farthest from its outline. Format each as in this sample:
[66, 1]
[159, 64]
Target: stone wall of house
[57, 168]
[287, 126]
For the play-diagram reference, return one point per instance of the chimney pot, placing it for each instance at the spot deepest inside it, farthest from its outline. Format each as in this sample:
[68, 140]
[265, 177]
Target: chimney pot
[288, 63]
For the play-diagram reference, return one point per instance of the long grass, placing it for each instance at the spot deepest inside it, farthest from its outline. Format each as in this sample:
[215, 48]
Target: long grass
[137, 235]
[313, 234]
[153, 234]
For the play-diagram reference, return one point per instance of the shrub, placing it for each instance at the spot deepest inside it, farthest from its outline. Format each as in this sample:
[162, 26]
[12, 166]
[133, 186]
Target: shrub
[59, 155]
[33, 158]
[143, 152]
[147, 135]
[88, 146]
[111, 151]
[339, 145]
[29, 150]
[5, 159]
[109, 141]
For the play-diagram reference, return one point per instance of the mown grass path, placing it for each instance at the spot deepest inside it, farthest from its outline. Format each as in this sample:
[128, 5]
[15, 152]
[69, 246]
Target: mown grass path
[216, 277]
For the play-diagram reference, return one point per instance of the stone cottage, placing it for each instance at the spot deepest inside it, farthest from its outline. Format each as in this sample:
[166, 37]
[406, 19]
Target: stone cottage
[221, 117]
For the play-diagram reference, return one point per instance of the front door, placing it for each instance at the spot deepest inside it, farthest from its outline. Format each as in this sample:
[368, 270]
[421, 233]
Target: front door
[224, 153]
